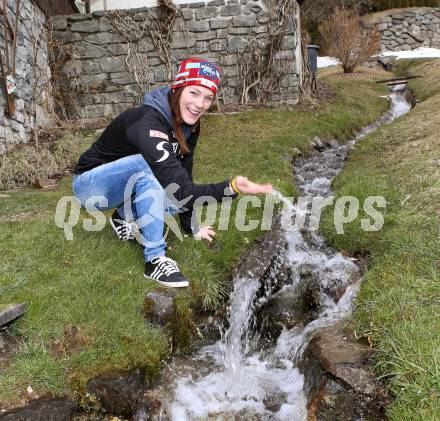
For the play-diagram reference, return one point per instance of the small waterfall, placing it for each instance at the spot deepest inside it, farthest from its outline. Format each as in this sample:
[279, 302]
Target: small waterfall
[240, 316]
[245, 378]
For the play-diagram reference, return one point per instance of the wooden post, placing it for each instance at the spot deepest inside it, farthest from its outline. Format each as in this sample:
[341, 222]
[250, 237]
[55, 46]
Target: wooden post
[5, 26]
[3, 82]
[5, 68]
[87, 3]
[14, 45]
[10, 109]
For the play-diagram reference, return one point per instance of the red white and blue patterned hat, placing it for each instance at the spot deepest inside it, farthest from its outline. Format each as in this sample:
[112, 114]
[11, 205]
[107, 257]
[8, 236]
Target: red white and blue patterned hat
[196, 71]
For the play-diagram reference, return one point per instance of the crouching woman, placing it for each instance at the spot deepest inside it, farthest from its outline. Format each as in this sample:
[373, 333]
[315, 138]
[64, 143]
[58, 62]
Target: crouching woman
[144, 158]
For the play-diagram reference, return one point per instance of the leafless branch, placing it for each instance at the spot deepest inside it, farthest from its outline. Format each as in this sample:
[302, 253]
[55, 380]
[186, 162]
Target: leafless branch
[348, 39]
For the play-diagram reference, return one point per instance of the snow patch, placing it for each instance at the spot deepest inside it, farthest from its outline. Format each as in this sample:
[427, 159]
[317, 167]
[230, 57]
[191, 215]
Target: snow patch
[327, 62]
[417, 53]
[421, 52]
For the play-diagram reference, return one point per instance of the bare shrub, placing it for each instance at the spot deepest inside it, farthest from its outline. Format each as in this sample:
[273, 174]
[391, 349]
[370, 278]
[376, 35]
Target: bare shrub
[24, 166]
[313, 12]
[319, 10]
[346, 37]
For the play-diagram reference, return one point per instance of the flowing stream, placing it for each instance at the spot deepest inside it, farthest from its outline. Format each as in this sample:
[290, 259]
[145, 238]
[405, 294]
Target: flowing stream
[244, 375]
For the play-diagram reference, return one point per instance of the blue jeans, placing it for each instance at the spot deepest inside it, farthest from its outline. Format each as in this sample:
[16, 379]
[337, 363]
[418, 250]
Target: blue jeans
[129, 185]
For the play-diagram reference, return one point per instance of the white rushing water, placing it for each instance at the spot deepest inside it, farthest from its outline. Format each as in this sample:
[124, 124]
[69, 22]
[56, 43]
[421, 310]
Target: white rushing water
[241, 380]
[240, 383]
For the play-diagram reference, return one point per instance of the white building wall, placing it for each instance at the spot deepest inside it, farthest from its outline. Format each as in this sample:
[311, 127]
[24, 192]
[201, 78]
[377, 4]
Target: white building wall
[127, 4]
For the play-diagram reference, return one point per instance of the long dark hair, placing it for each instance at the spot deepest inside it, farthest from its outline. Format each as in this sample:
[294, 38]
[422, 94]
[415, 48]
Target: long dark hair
[174, 99]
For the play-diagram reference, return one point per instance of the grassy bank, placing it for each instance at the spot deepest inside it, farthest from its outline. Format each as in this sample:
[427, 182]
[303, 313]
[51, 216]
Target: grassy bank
[426, 86]
[85, 296]
[399, 305]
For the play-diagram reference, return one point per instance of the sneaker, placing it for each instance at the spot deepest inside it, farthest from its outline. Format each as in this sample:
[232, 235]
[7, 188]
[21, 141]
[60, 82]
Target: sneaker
[124, 230]
[165, 271]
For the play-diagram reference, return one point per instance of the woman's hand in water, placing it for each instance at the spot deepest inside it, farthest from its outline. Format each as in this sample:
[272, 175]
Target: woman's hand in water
[205, 233]
[245, 186]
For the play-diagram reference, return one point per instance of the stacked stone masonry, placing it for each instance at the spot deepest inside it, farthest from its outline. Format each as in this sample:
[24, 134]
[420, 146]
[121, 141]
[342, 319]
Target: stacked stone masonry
[407, 29]
[216, 30]
[32, 74]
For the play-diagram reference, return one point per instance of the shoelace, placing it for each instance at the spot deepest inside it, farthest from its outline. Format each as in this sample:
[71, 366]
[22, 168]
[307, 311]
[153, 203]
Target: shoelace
[166, 265]
[126, 230]
[134, 229]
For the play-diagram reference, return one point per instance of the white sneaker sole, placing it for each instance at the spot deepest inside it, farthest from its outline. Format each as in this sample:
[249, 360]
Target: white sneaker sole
[169, 284]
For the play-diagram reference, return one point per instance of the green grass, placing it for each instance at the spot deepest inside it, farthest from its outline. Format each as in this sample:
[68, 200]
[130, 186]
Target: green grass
[93, 285]
[429, 70]
[399, 304]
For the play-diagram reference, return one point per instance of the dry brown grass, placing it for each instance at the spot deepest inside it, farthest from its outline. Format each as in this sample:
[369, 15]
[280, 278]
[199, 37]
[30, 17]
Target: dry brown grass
[24, 166]
[429, 84]
[364, 73]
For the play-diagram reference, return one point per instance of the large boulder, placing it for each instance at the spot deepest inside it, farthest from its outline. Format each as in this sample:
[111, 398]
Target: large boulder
[292, 306]
[339, 381]
[119, 392]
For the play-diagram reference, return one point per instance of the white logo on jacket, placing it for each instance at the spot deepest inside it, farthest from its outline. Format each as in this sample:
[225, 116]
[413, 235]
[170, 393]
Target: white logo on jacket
[176, 149]
[160, 147]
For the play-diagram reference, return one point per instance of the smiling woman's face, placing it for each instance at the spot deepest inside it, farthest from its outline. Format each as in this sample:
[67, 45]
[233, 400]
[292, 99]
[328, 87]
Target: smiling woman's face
[194, 101]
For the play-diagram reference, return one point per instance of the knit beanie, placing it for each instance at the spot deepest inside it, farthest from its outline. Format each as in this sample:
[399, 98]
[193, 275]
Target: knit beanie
[196, 71]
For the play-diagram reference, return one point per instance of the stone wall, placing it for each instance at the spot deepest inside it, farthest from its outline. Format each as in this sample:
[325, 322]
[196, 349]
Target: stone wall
[407, 29]
[98, 60]
[32, 75]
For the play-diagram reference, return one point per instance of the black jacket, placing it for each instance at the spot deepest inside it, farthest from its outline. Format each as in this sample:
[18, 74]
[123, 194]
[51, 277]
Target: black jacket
[145, 130]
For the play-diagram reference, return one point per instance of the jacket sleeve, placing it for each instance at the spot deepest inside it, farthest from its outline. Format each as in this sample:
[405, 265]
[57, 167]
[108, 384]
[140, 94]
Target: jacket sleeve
[188, 219]
[151, 137]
